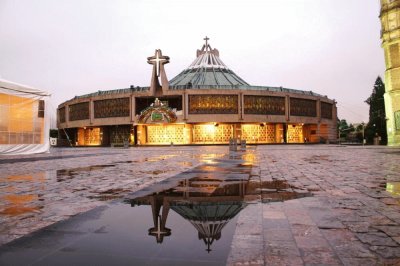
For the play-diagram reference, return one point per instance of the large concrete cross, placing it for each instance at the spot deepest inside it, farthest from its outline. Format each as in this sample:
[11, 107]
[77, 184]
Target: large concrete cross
[157, 60]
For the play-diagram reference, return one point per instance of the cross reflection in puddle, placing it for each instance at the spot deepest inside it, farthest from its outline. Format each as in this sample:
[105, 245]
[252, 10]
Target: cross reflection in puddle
[211, 197]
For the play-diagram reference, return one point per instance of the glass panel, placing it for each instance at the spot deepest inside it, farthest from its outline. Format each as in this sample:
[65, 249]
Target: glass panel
[37, 138]
[61, 114]
[166, 134]
[213, 104]
[112, 108]
[326, 110]
[27, 138]
[212, 133]
[258, 133]
[79, 111]
[13, 138]
[4, 138]
[303, 107]
[19, 119]
[90, 136]
[264, 105]
[4, 117]
[295, 134]
[41, 108]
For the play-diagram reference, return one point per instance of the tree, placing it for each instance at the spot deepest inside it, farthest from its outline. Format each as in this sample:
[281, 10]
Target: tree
[343, 128]
[377, 117]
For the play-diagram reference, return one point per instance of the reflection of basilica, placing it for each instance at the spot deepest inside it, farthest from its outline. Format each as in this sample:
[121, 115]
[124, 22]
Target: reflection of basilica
[209, 203]
[202, 201]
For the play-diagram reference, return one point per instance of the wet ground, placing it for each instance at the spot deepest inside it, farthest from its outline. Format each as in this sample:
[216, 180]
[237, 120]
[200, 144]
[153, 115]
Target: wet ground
[268, 205]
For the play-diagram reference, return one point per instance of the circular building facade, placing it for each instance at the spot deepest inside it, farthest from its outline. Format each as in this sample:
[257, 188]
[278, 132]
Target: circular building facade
[207, 103]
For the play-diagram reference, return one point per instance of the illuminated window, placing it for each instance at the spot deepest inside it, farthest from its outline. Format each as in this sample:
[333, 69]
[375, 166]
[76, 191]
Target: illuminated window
[213, 104]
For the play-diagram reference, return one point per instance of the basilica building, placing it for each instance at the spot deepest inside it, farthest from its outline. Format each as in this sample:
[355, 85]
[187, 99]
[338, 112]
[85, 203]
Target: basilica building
[207, 103]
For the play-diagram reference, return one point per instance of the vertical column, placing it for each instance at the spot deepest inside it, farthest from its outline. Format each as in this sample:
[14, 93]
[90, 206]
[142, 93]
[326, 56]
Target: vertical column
[184, 105]
[91, 111]
[287, 107]
[334, 121]
[319, 110]
[132, 102]
[241, 105]
[66, 115]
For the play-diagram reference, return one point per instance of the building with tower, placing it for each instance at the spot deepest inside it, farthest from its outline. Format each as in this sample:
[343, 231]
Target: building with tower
[390, 34]
[207, 103]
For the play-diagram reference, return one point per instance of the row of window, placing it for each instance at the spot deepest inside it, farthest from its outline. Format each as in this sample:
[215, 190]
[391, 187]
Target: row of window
[206, 104]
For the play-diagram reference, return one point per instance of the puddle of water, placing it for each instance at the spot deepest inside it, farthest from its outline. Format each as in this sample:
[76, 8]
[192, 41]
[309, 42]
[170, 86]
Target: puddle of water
[15, 201]
[20, 204]
[65, 174]
[149, 159]
[393, 188]
[188, 164]
[209, 200]
[208, 158]
[187, 219]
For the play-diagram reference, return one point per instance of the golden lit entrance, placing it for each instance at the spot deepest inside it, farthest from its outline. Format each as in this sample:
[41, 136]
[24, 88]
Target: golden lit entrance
[215, 133]
[295, 134]
[90, 136]
[212, 133]
[259, 133]
[167, 134]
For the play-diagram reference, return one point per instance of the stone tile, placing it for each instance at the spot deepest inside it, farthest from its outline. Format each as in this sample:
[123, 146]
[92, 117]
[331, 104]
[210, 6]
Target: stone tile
[281, 248]
[358, 227]
[320, 258]
[278, 235]
[283, 261]
[376, 239]
[275, 224]
[387, 252]
[274, 215]
[393, 231]
[358, 261]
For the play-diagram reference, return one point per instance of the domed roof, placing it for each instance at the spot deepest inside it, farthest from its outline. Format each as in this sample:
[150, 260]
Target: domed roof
[209, 218]
[207, 70]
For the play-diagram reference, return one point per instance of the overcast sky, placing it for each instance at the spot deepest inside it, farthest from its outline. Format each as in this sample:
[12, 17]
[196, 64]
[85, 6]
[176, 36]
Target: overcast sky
[74, 47]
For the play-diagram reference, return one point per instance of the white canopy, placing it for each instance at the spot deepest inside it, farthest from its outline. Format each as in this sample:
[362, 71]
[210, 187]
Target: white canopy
[24, 119]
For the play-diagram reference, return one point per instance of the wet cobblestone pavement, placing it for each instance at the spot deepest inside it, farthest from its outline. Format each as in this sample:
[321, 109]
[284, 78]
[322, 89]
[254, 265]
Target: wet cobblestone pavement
[36, 192]
[353, 217]
[350, 216]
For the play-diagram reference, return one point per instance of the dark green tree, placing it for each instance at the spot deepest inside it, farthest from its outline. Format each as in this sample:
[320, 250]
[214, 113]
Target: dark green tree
[377, 118]
[343, 128]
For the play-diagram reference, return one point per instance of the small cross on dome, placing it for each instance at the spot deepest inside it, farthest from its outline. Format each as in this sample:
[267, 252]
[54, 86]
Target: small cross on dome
[206, 39]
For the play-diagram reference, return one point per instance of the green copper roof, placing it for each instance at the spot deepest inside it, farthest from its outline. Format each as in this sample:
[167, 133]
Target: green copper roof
[207, 70]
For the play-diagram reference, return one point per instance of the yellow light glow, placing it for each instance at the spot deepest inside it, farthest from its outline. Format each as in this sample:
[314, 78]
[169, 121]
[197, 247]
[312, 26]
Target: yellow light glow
[295, 134]
[210, 133]
[166, 134]
[19, 120]
[89, 136]
[393, 188]
[258, 133]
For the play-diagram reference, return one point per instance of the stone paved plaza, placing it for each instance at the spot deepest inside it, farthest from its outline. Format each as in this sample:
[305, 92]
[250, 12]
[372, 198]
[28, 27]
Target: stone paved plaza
[351, 215]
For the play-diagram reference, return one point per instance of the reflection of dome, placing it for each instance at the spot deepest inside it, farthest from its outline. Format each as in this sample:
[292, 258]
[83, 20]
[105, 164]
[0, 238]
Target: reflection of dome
[208, 217]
